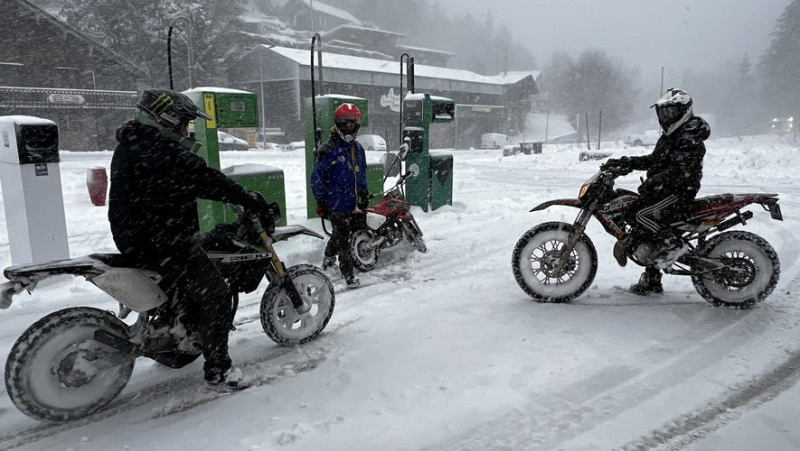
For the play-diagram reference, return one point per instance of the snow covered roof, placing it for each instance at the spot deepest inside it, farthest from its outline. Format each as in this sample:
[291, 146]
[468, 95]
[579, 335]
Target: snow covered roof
[331, 11]
[361, 29]
[516, 76]
[25, 120]
[421, 49]
[347, 62]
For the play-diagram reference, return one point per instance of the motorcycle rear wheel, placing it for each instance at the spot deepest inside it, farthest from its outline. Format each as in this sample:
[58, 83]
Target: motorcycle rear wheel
[364, 258]
[751, 273]
[46, 368]
[534, 262]
[280, 319]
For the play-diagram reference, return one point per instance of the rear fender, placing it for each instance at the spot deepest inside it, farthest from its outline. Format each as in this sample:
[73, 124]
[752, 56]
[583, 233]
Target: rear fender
[25, 277]
[286, 232]
[576, 203]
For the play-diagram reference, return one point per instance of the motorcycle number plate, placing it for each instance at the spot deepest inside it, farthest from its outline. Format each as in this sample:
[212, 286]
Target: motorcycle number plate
[775, 212]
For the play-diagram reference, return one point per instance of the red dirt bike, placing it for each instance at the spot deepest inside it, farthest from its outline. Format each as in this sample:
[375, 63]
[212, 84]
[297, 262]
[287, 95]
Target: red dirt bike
[557, 262]
[387, 224]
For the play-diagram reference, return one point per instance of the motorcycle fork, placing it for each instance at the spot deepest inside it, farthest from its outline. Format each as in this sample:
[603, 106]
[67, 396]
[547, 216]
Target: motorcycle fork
[280, 271]
[580, 228]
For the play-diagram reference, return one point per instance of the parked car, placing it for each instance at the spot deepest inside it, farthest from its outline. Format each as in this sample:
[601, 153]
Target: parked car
[587, 155]
[782, 126]
[269, 146]
[494, 141]
[230, 142]
[648, 138]
[511, 149]
[372, 142]
[294, 145]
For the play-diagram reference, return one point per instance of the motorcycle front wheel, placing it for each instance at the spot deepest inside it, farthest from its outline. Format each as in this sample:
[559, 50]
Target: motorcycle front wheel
[535, 261]
[364, 255]
[414, 234]
[280, 319]
[750, 272]
[56, 371]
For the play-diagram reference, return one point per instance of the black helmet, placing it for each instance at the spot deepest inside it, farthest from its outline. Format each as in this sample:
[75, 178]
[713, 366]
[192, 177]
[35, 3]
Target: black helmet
[169, 109]
[673, 109]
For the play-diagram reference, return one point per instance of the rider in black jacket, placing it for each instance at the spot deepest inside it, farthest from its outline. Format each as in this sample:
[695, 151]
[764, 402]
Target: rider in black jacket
[674, 170]
[155, 180]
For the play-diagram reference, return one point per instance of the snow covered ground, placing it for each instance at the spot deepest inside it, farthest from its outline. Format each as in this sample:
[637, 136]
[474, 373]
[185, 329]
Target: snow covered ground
[446, 352]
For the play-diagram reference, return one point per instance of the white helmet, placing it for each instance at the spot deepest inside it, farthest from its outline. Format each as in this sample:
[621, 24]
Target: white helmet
[673, 109]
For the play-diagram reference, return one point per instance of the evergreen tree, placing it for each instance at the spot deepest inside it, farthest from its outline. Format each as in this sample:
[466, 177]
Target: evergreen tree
[138, 30]
[780, 65]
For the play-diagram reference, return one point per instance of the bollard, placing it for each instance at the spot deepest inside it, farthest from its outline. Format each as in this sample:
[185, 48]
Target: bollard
[97, 182]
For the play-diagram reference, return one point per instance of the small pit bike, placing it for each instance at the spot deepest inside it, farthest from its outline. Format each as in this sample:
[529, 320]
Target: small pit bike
[389, 222]
[75, 361]
[557, 262]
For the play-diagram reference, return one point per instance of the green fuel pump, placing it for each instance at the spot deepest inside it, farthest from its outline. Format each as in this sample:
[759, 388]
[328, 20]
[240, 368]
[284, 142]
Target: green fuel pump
[433, 187]
[232, 108]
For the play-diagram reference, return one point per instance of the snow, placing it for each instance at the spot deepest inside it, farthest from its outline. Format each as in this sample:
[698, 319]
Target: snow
[443, 351]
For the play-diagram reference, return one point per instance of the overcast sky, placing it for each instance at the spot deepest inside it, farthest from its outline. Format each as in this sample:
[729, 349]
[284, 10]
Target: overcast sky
[646, 33]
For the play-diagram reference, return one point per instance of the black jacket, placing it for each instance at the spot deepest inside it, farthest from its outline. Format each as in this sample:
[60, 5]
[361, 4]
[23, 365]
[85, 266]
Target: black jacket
[154, 186]
[676, 164]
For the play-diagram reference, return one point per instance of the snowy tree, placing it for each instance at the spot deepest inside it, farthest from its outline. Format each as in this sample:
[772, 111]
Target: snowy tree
[781, 63]
[138, 30]
[594, 82]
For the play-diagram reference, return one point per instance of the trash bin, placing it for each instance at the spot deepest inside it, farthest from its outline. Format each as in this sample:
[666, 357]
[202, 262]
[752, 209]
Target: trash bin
[267, 180]
[97, 183]
[537, 147]
[441, 180]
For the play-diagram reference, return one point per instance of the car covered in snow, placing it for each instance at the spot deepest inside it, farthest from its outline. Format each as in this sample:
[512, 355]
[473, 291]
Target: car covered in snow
[372, 142]
[230, 142]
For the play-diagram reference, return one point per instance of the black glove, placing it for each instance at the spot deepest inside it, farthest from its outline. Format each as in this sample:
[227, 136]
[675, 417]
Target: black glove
[363, 200]
[267, 212]
[623, 163]
[322, 209]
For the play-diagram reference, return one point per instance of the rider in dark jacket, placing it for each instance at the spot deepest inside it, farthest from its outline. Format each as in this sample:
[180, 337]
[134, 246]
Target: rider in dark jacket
[155, 180]
[339, 185]
[674, 170]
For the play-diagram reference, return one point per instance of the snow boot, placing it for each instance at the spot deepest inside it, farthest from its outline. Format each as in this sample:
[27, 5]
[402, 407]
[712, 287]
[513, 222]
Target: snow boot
[649, 282]
[224, 380]
[328, 262]
[352, 281]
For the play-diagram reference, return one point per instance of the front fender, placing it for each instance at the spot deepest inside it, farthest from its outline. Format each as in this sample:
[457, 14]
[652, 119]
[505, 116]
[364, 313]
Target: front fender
[576, 203]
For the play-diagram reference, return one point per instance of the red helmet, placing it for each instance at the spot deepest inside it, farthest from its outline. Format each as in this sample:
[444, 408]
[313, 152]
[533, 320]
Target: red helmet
[347, 119]
[348, 112]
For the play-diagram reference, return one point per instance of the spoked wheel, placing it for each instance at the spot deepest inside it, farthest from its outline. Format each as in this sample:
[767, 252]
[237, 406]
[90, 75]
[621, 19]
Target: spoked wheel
[56, 371]
[536, 258]
[750, 273]
[280, 320]
[363, 251]
[414, 234]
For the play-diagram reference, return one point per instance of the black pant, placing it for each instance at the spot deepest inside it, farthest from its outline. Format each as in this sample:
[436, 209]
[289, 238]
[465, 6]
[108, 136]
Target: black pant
[344, 224]
[652, 213]
[187, 268]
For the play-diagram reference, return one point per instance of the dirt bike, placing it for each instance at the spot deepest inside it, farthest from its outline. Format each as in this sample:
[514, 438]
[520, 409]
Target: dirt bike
[557, 262]
[73, 362]
[388, 223]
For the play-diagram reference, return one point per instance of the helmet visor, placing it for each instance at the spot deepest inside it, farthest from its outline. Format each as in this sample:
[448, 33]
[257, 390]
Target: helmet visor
[669, 112]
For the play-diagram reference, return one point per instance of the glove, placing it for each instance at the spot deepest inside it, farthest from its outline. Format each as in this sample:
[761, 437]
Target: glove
[363, 200]
[322, 209]
[617, 163]
[267, 212]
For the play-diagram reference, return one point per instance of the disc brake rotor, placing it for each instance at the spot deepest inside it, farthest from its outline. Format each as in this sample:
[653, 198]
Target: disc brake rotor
[739, 271]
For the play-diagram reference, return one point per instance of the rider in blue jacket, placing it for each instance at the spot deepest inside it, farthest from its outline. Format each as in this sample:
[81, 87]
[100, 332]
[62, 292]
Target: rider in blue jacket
[339, 185]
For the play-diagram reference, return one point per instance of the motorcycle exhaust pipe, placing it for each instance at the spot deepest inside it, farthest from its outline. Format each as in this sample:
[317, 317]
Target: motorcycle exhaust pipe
[739, 219]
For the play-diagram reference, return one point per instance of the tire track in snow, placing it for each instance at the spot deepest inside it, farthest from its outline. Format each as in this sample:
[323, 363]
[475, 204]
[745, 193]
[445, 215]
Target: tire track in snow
[188, 390]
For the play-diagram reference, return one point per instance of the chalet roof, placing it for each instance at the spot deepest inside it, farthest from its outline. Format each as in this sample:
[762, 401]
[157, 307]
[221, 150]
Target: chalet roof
[40, 13]
[361, 30]
[421, 49]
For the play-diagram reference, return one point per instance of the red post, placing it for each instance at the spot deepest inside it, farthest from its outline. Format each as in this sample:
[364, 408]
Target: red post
[97, 182]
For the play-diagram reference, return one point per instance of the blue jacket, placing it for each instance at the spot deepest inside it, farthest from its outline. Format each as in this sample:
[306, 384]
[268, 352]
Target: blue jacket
[340, 174]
